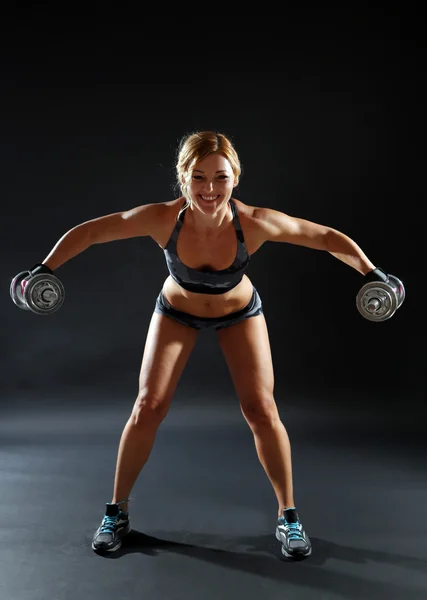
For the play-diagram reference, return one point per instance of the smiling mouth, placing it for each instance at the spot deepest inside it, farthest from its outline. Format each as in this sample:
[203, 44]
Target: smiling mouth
[209, 198]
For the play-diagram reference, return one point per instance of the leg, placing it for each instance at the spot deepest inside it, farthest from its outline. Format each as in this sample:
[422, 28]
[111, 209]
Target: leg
[167, 349]
[246, 348]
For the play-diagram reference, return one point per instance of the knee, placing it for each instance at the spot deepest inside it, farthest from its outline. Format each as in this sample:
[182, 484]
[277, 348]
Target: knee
[149, 408]
[259, 410]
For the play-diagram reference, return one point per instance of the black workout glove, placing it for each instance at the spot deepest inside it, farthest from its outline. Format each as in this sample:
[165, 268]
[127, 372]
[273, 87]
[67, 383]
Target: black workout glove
[377, 274]
[40, 268]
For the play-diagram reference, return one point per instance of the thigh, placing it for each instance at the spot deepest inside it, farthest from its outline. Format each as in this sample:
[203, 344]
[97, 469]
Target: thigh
[167, 349]
[246, 348]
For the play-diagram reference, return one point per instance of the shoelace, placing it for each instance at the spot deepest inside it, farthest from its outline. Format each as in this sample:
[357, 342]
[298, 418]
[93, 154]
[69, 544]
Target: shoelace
[294, 528]
[108, 524]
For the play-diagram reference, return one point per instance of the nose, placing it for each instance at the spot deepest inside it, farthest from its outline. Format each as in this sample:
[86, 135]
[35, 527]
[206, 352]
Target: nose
[209, 186]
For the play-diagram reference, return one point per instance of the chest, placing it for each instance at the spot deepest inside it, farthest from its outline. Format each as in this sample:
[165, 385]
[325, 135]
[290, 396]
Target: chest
[210, 253]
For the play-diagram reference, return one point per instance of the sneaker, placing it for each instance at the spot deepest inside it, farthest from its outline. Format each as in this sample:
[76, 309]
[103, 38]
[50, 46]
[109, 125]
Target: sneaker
[114, 526]
[295, 542]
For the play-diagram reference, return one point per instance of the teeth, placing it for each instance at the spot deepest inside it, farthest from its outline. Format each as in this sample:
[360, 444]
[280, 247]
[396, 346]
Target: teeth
[209, 197]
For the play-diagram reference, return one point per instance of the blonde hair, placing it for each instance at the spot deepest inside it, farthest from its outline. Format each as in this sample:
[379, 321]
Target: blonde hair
[197, 146]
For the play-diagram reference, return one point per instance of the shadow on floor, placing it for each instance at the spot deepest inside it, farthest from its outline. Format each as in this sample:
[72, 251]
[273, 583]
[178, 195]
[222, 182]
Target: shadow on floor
[261, 555]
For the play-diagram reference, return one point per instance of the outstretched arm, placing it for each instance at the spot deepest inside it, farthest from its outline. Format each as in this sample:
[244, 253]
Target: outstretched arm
[276, 226]
[136, 222]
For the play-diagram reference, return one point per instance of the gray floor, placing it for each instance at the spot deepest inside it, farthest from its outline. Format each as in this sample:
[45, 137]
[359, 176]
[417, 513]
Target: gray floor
[203, 513]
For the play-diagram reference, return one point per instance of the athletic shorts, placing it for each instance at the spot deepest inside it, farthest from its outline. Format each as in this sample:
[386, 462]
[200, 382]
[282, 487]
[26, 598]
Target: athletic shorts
[252, 309]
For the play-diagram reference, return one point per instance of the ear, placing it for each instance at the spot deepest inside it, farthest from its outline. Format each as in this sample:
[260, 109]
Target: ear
[236, 182]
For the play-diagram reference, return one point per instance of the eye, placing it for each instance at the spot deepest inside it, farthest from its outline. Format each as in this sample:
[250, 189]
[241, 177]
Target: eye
[197, 177]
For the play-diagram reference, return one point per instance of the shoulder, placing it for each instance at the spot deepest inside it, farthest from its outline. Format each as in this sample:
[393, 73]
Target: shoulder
[246, 212]
[156, 211]
[265, 218]
[163, 219]
[143, 220]
[254, 218]
[261, 224]
[255, 215]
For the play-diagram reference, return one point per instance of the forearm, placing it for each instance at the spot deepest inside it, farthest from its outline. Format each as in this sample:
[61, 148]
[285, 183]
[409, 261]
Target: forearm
[346, 250]
[73, 242]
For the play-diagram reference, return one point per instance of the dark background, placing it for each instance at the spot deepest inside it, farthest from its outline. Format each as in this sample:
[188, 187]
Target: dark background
[326, 115]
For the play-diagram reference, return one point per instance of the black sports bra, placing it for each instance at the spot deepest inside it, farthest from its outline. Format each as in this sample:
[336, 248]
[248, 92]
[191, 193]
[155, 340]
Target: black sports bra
[207, 281]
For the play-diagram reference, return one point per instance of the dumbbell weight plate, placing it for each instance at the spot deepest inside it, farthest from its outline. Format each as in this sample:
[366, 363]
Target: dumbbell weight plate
[16, 291]
[44, 294]
[399, 287]
[377, 301]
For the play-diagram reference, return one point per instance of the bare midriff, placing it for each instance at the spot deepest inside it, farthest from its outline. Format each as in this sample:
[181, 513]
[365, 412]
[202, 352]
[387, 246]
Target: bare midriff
[208, 305]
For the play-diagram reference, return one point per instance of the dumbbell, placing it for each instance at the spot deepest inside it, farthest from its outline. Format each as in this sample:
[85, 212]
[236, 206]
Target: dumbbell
[381, 296]
[37, 290]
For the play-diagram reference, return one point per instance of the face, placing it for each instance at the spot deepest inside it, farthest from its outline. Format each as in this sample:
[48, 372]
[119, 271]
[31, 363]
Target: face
[212, 183]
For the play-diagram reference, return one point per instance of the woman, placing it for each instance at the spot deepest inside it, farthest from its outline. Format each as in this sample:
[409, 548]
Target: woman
[207, 237]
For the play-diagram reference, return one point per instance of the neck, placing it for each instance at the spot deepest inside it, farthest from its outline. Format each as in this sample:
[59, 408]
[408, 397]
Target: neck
[206, 224]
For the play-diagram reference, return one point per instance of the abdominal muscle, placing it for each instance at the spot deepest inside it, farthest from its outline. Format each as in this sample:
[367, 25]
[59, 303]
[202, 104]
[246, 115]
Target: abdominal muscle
[208, 305]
